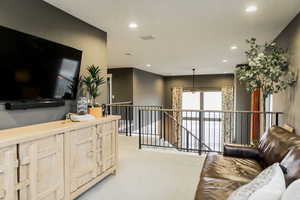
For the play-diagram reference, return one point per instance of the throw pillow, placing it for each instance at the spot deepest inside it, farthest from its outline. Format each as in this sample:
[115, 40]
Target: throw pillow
[268, 185]
[293, 191]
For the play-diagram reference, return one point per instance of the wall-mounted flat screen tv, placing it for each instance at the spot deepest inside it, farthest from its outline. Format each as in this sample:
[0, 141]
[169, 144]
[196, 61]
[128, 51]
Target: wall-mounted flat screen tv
[34, 68]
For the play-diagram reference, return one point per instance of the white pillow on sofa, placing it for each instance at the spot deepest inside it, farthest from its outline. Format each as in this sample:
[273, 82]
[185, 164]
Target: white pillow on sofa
[268, 185]
[293, 191]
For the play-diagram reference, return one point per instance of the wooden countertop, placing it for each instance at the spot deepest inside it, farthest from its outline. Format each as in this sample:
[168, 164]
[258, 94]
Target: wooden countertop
[26, 133]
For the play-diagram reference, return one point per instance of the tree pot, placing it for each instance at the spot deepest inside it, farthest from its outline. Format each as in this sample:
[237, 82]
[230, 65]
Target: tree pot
[95, 111]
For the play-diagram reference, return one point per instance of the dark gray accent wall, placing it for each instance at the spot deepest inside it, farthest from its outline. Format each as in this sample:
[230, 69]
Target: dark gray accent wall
[205, 82]
[242, 102]
[289, 100]
[122, 84]
[38, 18]
[138, 86]
[148, 88]
[242, 96]
[17, 118]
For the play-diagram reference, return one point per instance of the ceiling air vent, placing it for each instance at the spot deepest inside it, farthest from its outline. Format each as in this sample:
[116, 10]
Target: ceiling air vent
[147, 37]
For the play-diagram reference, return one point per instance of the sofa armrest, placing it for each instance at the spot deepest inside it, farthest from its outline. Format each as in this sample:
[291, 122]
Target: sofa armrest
[241, 151]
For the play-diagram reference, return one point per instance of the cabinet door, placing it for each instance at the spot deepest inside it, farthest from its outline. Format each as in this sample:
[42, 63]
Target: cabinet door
[42, 169]
[83, 161]
[108, 145]
[99, 152]
[8, 173]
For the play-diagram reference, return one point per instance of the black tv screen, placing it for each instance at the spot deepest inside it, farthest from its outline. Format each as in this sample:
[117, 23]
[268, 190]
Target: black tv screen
[35, 68]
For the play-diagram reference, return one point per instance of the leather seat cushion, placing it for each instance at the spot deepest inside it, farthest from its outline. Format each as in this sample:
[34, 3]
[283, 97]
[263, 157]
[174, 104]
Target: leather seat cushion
[215, 189]
[230, 168]
[275, 144]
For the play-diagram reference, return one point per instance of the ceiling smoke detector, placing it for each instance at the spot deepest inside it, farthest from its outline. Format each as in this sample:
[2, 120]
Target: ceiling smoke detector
[148, 37]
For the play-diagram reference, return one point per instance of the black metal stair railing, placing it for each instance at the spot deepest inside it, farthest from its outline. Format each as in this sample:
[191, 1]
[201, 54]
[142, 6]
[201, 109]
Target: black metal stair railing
[199, 130]
[196, 146]
[190, 130]
[128, 124]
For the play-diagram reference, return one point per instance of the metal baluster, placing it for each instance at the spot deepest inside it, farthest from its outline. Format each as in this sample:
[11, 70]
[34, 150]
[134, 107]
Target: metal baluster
[277, 119]
[214, 131]
[200, 134]
[151, 125]
[130, 120]
[126, 120]
[209, 130]
[140, 130]
[220, 116]
[187, 135]
[155, 127]
[247, 129]
[242, 138]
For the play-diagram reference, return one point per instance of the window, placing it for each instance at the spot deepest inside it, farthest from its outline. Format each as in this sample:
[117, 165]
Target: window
[205, 125]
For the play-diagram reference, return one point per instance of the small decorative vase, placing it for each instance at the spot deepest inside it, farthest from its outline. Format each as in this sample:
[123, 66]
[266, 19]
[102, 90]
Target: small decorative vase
[95, 111]
[82, 106]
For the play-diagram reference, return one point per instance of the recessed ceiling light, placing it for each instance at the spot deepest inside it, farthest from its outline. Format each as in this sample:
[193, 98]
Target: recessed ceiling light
[251, 9]
[224, 61]
[133, 25]
[148, 65]
[233, 47]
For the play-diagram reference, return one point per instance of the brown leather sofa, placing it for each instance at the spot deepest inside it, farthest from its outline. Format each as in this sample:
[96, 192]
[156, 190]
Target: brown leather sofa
[222, 174]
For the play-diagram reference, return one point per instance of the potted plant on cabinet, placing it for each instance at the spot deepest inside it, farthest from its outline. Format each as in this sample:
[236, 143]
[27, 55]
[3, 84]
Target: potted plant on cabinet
[92, 81]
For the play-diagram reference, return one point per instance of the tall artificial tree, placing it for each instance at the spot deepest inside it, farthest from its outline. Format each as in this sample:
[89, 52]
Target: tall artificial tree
[267, 69]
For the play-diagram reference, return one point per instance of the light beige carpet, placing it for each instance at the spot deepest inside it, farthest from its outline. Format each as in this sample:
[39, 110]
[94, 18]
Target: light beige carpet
[149, 175]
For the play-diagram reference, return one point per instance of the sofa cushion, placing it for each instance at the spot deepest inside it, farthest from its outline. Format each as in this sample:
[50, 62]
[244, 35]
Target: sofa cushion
[268, 185]
[215, 188]
[275, 144]
[291, 165]
[230, 168]
[292, 192]
[221, 175]
[241, 151]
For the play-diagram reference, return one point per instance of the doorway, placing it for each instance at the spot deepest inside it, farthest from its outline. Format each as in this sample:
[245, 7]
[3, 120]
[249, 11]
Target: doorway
[205, 124]
[109, 88]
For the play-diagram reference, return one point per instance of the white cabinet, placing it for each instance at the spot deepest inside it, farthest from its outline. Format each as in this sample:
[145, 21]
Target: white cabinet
[42, 169]
[56, 160]
[8, 173]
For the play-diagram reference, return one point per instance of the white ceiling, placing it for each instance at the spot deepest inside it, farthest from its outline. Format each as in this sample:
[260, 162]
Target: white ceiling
[188, 32]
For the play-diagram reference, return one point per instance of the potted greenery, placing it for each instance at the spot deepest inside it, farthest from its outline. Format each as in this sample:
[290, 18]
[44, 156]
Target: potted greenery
[267, 69]
[92, 81]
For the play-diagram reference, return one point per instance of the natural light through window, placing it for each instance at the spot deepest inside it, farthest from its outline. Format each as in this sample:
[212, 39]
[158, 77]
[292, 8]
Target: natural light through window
[191, 101]
[212, 101]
